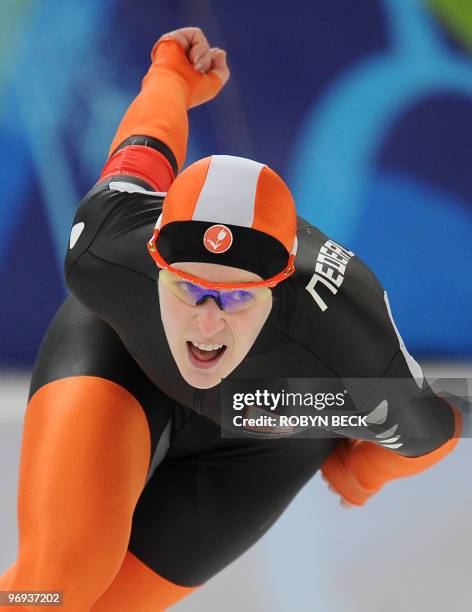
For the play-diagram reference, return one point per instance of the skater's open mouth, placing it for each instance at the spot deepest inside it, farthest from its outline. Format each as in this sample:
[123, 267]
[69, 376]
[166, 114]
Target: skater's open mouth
[205, 355]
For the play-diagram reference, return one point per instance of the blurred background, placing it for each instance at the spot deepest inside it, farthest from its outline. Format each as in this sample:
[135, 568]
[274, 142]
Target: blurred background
[365, 109]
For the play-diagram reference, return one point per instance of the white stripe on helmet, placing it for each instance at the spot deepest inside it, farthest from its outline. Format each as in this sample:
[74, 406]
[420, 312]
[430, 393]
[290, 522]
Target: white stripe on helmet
[229, 191]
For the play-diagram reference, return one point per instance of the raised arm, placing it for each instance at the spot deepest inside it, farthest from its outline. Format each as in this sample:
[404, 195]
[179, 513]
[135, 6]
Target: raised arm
[151, 141]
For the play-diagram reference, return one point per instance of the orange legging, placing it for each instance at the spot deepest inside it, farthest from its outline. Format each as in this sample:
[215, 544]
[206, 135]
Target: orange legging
[84, 460]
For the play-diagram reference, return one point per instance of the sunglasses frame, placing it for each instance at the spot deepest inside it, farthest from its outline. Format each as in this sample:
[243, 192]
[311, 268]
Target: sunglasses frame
[269, 282]
[264, 293]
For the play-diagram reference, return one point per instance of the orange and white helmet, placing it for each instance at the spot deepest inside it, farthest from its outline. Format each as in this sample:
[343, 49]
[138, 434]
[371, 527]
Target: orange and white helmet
[231, 211]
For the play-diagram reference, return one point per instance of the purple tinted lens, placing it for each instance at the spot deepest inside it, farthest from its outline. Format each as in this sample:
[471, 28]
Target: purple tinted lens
[227, 300]
[210, 295]
[235, 300]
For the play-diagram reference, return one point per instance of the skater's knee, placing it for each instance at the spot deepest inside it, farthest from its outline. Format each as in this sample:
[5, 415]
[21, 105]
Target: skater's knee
[82, 574]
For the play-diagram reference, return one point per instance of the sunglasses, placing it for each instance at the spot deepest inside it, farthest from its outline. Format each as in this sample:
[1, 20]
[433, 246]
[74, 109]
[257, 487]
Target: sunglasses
[229, 300]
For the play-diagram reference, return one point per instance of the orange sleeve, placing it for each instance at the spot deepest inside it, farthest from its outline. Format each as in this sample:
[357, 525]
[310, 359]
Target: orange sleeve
[358, 469]
[170, 87]
[84, 459]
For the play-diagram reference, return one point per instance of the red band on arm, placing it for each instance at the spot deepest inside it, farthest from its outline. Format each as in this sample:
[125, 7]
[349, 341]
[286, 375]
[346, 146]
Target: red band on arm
[143, 162]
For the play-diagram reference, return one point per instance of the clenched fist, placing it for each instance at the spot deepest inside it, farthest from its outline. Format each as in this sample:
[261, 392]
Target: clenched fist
[205, 59]
[343, 502]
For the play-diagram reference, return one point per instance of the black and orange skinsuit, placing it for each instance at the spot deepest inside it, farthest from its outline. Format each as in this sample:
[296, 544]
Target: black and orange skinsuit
[129, 497]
